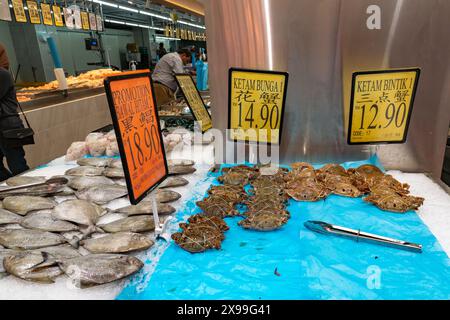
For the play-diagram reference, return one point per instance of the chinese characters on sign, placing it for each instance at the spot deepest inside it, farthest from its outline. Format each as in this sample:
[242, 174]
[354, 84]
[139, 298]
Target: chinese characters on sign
[58, 16]
[194, 101]
[33, 12]
[256, 105]
[85, 20]
[46, 14]
[381, 104]
[19, 11]
[136, 123]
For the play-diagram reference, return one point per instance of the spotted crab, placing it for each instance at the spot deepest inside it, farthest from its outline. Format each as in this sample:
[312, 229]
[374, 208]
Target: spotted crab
[263, 222]
[218, 206]
[394, 202]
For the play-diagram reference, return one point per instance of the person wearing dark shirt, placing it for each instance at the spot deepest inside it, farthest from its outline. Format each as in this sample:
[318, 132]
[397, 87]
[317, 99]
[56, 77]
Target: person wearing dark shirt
[161, 51]
[9, 119]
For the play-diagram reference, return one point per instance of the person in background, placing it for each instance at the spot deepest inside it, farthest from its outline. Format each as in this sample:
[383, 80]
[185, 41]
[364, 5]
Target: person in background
[163, 76]
[161, 51]
[9, 119]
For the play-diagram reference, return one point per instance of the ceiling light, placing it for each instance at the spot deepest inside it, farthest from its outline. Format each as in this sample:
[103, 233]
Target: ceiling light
[104, 3]
[128, 9]
[154, 15]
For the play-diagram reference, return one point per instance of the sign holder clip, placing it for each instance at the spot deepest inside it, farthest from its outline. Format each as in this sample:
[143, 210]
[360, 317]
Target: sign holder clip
[160, 228]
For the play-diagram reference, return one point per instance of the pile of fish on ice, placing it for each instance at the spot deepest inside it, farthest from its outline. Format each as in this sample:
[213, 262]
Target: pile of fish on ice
[42, 238]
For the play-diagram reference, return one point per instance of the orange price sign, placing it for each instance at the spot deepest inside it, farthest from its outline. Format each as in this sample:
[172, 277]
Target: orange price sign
[136, 122]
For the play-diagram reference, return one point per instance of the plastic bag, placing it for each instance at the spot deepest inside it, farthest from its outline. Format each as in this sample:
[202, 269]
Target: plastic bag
[76, 150]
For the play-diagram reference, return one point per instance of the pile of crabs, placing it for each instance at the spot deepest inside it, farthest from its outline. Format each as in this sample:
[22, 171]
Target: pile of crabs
[264, 205]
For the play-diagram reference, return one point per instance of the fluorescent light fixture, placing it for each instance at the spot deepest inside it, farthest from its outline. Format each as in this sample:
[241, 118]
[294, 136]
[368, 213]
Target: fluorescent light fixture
[114, 21]
[128, 9]
[167, 38]
[154, 15]
[104, 3]
[133, 24]
[191, 24]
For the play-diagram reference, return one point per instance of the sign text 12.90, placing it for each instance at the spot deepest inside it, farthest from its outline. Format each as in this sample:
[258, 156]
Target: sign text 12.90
[394, 115]
[143, 151]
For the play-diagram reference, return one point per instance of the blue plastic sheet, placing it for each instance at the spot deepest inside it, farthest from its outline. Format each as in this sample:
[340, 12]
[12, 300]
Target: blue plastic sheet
[296, 263]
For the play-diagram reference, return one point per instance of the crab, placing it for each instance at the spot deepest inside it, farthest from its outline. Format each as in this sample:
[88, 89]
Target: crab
[218, 206]
[266, 210]
[341, 185]
[369, 170]
[230, 193]
[258, 203]
[196, 240]
[263, 222]
[234, 179]
[334, 169]
[250, 172]
[387, 181]
[210, 220]
[394, 202]
[306, 190]
[301, 166]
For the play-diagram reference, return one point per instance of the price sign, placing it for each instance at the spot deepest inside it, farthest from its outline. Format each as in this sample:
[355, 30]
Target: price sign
[77, 17]
[58, 16]
[19, 11]
[381, 105]
[68, 18]
[256, 105]
[136, 122]
[46, 14]
[85, 20]
[34, 12]
[5, 13]
[99, 23]
[194, 101]
[92, 21]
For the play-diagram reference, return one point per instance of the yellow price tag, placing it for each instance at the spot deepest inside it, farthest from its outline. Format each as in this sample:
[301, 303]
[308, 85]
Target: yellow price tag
[256, 105]
[34, 12]
[85, 20]
[46, 14]
[57, 14]
[19, 11]
[381, 105]
[194, 101]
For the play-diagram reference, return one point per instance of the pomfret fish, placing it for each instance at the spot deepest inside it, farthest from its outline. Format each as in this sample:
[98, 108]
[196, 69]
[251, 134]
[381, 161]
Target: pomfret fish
[78, 183]
[114, 173]
[145, 207]
[85, 171]
[141, 223]
[45, 221]
[102, 194]
[26, 239]
[32, 266]
[96, 269]
[7, 217]
[78, 211]
[180, 162]
[120, 242]
[173, 182]
[179, 170]
[22, 180]
[24, 204]
[165, 196]
[94, 162]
